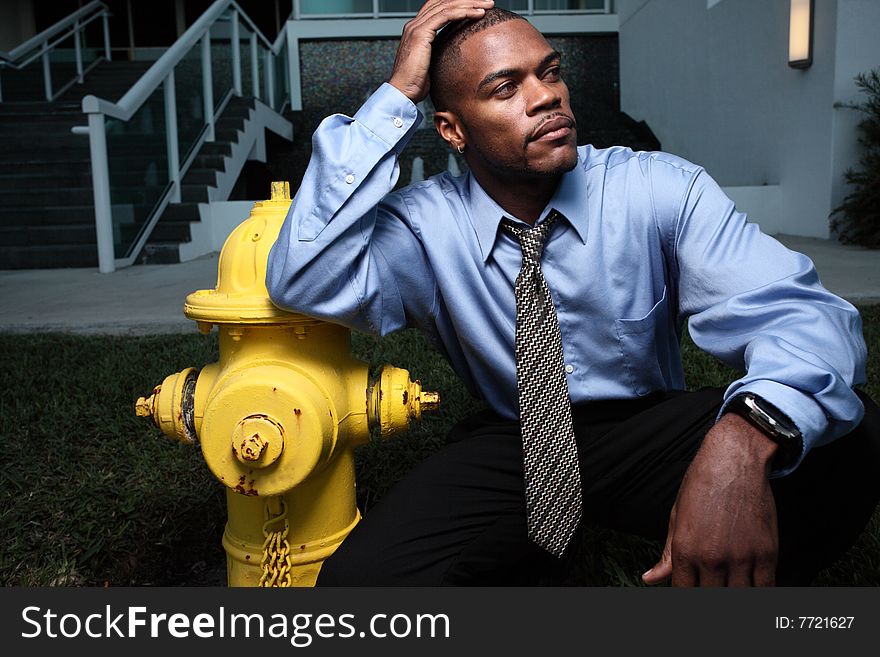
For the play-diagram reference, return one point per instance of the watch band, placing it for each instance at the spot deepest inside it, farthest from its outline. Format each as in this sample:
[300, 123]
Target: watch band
[773, 423]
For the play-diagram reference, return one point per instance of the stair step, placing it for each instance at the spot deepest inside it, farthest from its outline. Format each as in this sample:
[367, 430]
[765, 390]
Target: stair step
[200, 176]
[48, 257]
[216, 162]
[38, 108]
[37, 166]
[194, 193]
[47, 178]
[216, 148]
[181, 212]
[48, 235]
[66, 150]
[227, 134]
[20, 197]
[48, 216]
[170, 231]
[54, 125]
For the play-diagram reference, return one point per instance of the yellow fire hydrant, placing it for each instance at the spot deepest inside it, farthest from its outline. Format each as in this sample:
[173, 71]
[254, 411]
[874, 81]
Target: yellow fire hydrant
[278, 416]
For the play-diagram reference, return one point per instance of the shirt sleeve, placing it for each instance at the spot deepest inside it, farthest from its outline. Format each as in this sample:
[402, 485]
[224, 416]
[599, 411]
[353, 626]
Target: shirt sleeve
[348, 252]
[762, 309]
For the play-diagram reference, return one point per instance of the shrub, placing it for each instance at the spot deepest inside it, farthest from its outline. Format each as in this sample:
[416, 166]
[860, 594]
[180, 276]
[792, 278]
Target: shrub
[857, 219]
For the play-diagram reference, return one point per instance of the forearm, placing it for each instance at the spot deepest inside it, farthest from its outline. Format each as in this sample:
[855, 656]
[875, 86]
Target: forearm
[324, 262]
[761, 308]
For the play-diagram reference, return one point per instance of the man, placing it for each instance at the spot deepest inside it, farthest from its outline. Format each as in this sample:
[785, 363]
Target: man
[556, 280]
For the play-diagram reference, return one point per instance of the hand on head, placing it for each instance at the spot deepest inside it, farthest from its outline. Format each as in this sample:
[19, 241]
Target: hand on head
[413, 60]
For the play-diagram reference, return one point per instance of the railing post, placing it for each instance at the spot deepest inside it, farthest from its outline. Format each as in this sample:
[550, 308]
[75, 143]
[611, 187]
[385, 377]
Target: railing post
[47, 73]
[171, 137]
[255, 67]
[236, 56]
[78, 49]
[270, 79]
[293, 81]
[208, 85]
[101, 192]
[105, 20]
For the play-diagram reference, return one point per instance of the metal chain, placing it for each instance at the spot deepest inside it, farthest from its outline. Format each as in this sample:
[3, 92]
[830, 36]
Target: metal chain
[276, 562]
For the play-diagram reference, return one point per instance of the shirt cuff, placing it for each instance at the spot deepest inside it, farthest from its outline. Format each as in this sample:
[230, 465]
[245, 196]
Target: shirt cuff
[801, 409]
[390, 116]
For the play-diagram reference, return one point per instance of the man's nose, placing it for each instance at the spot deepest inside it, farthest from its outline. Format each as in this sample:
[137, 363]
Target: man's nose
[542, 95]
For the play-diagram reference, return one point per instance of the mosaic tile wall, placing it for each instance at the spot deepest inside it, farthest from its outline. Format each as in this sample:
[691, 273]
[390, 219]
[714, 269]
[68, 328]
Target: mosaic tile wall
[338, 75]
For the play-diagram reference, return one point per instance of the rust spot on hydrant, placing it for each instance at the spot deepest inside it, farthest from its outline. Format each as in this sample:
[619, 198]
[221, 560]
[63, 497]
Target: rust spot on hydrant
[296, 411]
[249, 490]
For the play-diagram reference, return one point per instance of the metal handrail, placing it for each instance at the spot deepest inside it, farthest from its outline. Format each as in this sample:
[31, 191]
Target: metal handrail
[49, 32]
[131, 102]
[161, 73]
[41, 45]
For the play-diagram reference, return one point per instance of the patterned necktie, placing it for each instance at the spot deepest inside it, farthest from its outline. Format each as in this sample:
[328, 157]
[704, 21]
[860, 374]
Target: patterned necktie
[550, 459]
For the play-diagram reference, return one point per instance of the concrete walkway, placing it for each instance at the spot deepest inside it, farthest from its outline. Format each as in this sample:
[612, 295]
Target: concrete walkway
[148, 299]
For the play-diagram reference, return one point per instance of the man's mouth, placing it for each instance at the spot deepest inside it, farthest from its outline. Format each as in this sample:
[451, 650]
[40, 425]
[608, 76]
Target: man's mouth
[559, 127]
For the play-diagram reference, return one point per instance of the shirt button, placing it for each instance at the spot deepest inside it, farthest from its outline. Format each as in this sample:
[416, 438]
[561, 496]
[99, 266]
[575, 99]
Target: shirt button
[569, 369]
[349, 179]
[398, 122]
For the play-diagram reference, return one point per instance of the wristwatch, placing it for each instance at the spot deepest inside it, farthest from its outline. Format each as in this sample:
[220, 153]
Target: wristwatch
[775, 424]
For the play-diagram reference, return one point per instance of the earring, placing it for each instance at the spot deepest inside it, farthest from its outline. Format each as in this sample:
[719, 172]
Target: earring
[460, 150]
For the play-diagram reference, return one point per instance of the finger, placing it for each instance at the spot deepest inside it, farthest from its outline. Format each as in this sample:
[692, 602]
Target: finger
[684, 571]
[765, 574]
[444, 14]
[741, 577]
[662, 570]
[712, 576]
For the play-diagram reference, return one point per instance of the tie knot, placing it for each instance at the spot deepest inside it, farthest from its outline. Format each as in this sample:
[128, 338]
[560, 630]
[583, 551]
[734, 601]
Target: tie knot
[532, 240]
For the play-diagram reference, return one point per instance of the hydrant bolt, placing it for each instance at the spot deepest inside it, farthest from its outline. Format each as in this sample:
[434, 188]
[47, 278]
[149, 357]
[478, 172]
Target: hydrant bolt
[257, 441]
[252, 447]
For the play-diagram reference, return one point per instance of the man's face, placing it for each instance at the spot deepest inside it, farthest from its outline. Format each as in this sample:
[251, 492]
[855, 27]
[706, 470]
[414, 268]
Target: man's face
[513, 104]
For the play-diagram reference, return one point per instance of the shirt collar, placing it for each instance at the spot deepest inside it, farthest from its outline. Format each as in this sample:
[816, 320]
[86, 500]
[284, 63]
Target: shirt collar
[570, 200]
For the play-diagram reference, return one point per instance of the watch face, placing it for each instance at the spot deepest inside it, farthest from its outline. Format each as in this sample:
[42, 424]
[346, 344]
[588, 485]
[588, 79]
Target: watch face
[775, 422]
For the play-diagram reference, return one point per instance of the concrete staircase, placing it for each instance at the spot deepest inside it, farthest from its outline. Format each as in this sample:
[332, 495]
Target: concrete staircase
[47, 215]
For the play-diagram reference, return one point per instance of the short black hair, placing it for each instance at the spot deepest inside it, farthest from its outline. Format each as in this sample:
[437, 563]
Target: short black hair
[446, 50]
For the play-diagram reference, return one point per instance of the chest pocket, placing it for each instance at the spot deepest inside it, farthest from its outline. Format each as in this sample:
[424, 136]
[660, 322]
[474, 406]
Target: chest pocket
[642, 344]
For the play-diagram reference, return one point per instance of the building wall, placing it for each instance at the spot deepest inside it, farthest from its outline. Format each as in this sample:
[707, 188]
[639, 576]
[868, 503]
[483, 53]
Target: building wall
[16, 23]
[858, 51]
[713, 82]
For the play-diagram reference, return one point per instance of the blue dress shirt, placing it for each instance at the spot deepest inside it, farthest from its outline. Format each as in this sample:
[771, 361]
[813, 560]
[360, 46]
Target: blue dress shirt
[648, 240]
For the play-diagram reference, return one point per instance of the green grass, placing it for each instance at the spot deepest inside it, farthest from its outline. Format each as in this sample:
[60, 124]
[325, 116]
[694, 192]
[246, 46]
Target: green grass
[92, 495]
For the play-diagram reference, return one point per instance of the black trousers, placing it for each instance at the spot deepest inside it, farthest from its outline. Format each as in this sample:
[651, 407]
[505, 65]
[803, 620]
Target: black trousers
[458, 518]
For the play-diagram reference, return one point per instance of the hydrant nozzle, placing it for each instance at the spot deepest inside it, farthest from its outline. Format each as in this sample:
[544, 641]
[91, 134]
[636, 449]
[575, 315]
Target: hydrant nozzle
[146, 406]
[394, 400]
[170, 407]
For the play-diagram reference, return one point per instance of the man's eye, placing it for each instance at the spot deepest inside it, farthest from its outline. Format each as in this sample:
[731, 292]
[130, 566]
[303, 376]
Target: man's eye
[553, 73]
[505, 90]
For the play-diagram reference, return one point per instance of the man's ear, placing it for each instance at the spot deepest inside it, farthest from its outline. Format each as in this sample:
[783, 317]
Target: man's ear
[450, 129]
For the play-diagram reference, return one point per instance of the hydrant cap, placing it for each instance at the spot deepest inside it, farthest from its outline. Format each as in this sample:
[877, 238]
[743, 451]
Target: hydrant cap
[241, 295]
